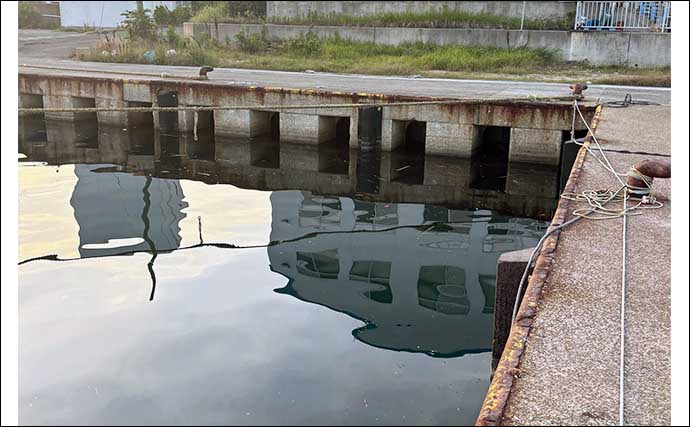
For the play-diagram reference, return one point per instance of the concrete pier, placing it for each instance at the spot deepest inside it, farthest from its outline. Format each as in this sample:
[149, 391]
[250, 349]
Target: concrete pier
[264, 164]
[446, 129]
[561, 363]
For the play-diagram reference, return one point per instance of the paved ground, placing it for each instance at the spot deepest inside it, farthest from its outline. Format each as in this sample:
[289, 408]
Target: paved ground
[46, 49]
[46, 44]
[568, 373]
[644, 129]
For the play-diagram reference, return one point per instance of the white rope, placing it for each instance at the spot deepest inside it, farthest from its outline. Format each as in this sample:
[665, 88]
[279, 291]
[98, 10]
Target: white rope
[621, 374]
[594, 138]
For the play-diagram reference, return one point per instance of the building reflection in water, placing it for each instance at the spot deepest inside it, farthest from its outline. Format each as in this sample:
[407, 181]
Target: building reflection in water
[420, 276]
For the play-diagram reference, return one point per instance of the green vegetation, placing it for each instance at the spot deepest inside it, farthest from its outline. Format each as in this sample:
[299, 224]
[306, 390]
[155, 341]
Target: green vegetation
[29, 17]
[165, 17]
[252, 43]
[440, 18]
[146, 43]
[216, 12]
[331, 54]
[139, 25]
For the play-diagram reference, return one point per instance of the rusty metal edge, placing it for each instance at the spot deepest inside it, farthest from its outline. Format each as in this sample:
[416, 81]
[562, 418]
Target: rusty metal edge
[493, 407]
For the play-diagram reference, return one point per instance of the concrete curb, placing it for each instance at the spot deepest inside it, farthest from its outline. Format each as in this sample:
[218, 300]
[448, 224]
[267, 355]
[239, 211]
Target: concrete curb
[491, 413]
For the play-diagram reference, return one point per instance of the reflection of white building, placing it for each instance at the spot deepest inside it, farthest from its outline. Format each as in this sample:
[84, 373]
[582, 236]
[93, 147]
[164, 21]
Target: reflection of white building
[117, 206]
[419, 283]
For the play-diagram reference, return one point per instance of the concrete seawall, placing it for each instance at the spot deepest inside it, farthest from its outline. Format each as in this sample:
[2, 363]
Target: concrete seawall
[512, 9]
[533, 130]
[645, 50]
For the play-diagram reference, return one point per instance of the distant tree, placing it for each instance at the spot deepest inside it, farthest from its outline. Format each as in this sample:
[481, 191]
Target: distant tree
[139, 25]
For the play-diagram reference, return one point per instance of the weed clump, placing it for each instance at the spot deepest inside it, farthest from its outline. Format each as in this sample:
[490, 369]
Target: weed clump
[306, 45]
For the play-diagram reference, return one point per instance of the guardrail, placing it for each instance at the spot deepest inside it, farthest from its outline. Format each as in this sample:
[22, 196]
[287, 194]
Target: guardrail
[623, 16]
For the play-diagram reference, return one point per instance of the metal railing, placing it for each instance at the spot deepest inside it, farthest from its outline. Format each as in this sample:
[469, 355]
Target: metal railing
[623, 16]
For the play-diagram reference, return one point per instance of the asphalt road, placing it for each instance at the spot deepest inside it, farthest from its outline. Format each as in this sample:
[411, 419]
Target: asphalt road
[49, 48]
[47, 44]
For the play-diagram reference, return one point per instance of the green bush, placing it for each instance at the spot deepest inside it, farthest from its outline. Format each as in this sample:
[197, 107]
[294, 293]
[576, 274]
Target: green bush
[252, 43]
[305, 44]
[165, 17]
[139, 25]
[214, 12]
[201, 53]
[247, 8]
[172, 38]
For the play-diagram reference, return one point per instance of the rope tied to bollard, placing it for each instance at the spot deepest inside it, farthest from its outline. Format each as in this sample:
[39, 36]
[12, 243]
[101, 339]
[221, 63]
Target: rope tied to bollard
[647, 180]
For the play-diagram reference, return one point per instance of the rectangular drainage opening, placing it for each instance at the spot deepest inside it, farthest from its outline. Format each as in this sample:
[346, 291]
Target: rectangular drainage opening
[489, 164]
[168, 124]
[167, 120]
[264, 139]
[141, 129]
[78, 102]
[407, 161]
[139, 118]
[334, 154]
[201, 144]
[86, 124]
[32, 127]
[264, 123]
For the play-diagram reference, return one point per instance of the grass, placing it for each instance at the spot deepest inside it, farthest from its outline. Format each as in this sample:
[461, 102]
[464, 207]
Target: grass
[344, 56]
[338, 55]
[216, 12]
[441, 18]
[29, 17]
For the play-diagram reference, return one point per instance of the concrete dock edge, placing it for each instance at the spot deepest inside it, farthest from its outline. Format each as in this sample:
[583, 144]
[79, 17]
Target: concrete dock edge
[491, 412]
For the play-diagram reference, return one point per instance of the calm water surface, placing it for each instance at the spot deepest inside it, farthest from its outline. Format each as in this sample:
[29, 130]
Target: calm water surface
[165, 283]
